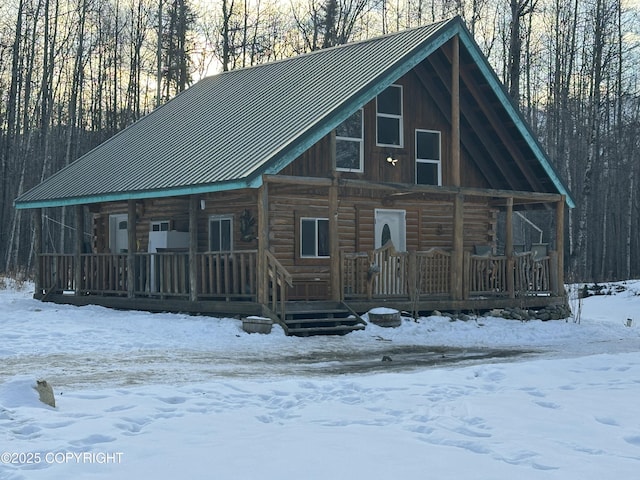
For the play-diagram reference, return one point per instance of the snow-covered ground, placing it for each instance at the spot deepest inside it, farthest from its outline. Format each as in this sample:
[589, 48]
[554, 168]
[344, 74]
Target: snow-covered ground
[167, 396]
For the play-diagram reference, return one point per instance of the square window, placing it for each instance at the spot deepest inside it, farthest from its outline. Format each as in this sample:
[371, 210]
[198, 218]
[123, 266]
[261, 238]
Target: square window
[390, 101]
[314, 237]
[427, 173]
[389, 131]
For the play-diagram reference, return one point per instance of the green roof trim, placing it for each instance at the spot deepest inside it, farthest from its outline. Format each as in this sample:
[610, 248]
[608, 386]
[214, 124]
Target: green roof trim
[139, 195]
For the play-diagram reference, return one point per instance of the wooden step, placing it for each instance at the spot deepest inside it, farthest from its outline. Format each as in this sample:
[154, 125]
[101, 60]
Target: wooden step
[320, 318]
[306, 321]
[327, 330]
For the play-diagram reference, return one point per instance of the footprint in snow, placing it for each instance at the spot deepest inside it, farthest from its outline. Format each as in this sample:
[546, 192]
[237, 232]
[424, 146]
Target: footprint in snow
[93, 439]
[607, 421]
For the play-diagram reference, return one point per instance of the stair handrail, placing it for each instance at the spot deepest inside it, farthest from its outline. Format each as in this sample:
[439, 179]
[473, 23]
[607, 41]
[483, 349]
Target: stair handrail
[280, 276]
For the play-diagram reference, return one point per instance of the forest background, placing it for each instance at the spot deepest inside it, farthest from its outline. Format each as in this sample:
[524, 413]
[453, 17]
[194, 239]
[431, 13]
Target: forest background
[75, 72]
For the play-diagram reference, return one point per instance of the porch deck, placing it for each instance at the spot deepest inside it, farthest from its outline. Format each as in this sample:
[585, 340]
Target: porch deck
[227, 283]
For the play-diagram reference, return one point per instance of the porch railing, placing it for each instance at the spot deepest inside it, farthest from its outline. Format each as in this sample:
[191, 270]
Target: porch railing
[486, 275]
[386, 272]
[227, 275]
[416, 275]
[232, 276]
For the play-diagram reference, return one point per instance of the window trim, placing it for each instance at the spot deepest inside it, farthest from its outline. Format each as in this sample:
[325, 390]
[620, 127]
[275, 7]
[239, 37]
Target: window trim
[300, 249]
[360, 141]
[438, 162]
[389, 115]
[219, 218]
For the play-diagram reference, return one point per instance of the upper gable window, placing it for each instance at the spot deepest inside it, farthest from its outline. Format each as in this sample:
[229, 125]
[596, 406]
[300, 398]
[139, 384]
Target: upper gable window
[350, 144]
[389, 117]
[428, 154]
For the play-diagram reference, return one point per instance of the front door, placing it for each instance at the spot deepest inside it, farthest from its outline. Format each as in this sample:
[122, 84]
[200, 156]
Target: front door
[118, 236]
[391, 225]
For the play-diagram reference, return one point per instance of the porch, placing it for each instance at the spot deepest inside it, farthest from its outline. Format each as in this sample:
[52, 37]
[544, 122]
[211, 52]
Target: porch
[230, 283]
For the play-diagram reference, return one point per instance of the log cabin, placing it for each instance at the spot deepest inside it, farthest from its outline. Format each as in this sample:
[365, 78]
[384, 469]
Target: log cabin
[312, 189]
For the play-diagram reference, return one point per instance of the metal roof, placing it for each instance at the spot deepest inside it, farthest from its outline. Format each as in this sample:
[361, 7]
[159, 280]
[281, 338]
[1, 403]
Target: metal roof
[225, 131]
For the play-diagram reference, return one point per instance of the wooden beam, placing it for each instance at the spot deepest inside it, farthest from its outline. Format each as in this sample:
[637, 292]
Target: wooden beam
[532, 197]
[263, 243]
[457, 260]
[560, 206]
[37, 250]
[334, 243]
[455, 112]
[131, 247]
[79, 214]
[299, 181]
[193, 248]
[334, 234]
[508, 247]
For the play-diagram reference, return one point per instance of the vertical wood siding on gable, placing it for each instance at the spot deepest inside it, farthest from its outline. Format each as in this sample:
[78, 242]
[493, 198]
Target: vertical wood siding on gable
[420, 111]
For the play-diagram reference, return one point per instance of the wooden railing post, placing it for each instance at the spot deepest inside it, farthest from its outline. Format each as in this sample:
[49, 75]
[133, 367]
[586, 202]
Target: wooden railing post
[412, 279]
[458, 247]
[508, 246]
[37, 247]
[559, 271]
[467, 277]
[77, 258]
[193, 248]
[263, 245]
[554, 278]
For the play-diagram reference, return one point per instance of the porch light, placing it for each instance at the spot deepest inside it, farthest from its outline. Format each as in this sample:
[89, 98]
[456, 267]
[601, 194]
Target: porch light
[392, 160]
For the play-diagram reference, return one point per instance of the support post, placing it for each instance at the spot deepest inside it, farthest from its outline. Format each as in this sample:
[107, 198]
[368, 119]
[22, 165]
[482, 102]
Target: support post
[193, 248]
[457, 264]
[131, 248]
[334, 238]
[263, 244]
[37, 251]
[455, 112]
[334, 242]
[560, 243]
[79, 240]
[508, 247]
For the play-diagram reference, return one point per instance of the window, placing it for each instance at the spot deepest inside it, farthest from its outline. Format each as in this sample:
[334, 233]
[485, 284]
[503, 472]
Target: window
[349, 144]
[220, 233]
[428, 164]
[389, 117]
[161, 226]
[314, 237]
